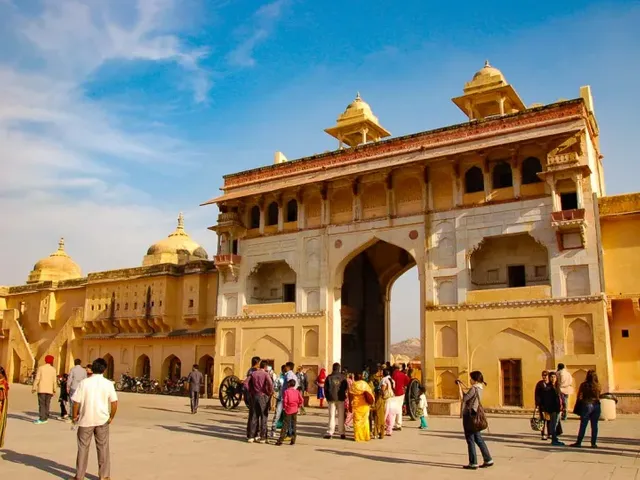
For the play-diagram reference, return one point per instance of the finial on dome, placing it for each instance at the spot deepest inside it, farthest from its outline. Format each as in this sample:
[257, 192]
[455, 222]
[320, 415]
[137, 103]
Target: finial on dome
[181, 221]
[61, 244]
[358, 96]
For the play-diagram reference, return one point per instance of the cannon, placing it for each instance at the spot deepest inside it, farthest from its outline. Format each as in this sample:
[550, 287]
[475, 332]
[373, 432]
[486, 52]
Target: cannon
[231, 392]
[412, 399]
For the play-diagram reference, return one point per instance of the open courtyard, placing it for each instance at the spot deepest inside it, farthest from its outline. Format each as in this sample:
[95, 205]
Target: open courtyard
[155, 437]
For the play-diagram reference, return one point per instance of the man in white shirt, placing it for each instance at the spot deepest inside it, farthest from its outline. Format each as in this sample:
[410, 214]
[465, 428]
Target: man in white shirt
[94, 405]
[566, 387]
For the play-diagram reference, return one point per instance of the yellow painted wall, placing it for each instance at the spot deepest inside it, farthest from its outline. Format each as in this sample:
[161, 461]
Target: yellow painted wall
[536, 334]
[509, 294]
[621, 246]
[625, 351]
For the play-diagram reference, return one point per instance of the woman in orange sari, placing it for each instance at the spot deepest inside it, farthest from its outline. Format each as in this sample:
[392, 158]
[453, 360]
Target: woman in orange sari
[4, 404]
[359, 393]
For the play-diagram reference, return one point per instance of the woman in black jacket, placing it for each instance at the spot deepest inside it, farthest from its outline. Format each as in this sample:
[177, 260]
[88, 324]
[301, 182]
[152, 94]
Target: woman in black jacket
[540, 386]
[552, 406]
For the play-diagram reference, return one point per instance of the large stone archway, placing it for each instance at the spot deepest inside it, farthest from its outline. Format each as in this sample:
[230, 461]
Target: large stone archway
[364, 301]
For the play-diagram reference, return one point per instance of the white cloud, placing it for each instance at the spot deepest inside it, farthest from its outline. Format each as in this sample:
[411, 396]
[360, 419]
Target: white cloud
[256, 31]
[65, 158]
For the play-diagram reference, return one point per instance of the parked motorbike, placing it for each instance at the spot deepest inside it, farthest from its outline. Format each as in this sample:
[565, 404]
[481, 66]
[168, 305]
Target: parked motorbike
[125, 384]
[30, 379]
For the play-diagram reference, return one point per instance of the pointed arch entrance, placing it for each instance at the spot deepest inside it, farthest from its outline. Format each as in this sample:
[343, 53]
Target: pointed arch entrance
[365, 302]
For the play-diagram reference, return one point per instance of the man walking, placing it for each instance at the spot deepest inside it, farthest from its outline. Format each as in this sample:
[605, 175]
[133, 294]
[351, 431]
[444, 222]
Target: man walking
[195, 379]
[95, 403]
[45, 386]
[76, 375]
[335, 391]
[260, 391]
[255, 365]
[565, 380]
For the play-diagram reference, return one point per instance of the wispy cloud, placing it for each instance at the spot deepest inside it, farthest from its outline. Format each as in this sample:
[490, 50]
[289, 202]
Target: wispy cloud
[261, 26]
[66, 157]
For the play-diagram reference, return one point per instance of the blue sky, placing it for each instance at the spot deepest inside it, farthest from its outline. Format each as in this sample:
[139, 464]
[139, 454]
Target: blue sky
[116, 115]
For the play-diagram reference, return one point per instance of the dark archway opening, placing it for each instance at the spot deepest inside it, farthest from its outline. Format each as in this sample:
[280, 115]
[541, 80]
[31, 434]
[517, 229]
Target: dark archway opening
[365, 309]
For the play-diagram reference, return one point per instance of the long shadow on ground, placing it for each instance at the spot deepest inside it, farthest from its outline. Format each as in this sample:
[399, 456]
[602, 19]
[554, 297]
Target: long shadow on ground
[49, 466]
[382, 458]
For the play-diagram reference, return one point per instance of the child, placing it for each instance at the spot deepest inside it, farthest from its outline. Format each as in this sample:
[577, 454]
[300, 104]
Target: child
[64, 397]
[379, 415]
[291, 403]
[422, 408]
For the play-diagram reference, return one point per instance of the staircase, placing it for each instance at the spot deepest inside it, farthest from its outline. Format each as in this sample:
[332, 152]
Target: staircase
[17, 339]
[66, 333]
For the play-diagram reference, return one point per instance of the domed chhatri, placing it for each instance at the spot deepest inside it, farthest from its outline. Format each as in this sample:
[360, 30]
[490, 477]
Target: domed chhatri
[488, 94]
[177, 248]
[57, 266]
[357, 125]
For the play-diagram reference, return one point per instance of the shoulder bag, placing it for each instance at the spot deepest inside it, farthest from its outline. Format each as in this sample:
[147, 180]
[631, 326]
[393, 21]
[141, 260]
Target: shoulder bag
[537, 423]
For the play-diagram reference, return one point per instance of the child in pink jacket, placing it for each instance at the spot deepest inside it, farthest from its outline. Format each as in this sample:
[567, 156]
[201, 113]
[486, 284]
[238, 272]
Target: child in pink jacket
[291, 402]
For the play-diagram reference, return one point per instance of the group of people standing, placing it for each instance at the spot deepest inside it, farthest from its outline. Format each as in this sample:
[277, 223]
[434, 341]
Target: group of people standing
[552, 396]
[372, 403]
[93, 405]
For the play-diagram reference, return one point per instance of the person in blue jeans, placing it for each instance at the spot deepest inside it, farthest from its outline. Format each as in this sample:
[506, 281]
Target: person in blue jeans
[552, 406]
[470, 404]
[589, 406]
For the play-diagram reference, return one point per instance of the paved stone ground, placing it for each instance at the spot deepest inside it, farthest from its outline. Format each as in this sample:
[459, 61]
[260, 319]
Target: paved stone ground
[155, 437]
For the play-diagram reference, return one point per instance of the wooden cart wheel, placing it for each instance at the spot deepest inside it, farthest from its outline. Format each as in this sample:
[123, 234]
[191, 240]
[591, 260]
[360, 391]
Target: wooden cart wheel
[230, 392]
[412, 399]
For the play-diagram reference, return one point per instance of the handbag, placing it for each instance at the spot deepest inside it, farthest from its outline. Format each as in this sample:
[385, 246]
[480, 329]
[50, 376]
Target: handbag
[537, 423]
[479, 420]
[369, 398]
[578, 408]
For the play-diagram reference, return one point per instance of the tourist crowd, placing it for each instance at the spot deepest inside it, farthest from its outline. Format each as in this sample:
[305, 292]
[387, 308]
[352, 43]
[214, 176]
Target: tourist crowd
[372, 404]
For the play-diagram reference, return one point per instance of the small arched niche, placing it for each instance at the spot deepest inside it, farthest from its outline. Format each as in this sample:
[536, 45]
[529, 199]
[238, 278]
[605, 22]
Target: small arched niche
[272, 214]
[502, 176]
[271, 282]
[254, 217]
[229, 344]
[311, 343]
[292, 211]
[579, 338]
[446, 342]
[531, 166]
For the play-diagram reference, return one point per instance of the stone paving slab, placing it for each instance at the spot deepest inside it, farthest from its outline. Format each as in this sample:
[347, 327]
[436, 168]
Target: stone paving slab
[155, 437]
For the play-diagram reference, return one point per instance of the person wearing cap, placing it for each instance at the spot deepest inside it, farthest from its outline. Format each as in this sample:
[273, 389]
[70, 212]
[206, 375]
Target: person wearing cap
[45, 386]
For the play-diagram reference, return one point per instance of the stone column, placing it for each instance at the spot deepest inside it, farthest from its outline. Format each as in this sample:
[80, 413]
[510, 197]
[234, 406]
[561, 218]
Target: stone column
[579, 191]
[457, 190]
[279, 200]
[301, 209]
[516, 175]
[325, 209]
[355, 190]
[391, 196]
[486, 172]
[262, 219]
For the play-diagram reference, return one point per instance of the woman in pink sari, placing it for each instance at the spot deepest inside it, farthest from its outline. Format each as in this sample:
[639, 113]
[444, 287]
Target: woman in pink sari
[4, 404]
[348, 414]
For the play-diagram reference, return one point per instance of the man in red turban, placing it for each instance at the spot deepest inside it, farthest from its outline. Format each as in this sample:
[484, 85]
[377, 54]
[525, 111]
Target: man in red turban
[45, 386]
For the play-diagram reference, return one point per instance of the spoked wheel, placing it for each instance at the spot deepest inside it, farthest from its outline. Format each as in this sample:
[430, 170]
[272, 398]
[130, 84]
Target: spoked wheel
[118, 386]
[230, 392]
[412, 399]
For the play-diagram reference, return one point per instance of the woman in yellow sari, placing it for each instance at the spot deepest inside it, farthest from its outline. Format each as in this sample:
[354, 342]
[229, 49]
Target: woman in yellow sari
[360, 407]
[4, 404]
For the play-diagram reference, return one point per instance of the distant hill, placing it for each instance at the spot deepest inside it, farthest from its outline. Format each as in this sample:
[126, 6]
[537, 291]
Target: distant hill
[409, 348]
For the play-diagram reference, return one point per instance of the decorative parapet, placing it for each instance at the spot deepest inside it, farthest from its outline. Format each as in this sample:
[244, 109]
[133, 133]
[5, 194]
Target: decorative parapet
[240, 318]
[519, 303]
[619, 204]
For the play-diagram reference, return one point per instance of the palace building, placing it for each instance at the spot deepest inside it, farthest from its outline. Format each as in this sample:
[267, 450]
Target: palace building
[522, 261]
[157, 319]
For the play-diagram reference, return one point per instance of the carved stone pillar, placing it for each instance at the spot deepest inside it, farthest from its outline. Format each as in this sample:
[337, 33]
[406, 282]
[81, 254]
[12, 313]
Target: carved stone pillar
[325, 213]
[391, 196]
[262, 219]
[301, 208]
[279, 201]
[516, 174]
[356, 190]
[457, 190]
[486, 173]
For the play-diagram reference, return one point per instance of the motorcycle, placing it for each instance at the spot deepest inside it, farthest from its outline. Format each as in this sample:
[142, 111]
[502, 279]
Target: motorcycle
[30, 379]
[125, 384]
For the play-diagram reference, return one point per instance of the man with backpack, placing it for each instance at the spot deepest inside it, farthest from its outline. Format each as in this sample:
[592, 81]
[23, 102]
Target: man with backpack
[335, 390]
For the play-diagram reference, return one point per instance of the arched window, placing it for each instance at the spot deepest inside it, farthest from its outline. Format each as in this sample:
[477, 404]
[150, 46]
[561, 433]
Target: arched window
[254, 220]
[530, 169]
[501, 176]
[272, 214]
[473, 180]
[292, 210]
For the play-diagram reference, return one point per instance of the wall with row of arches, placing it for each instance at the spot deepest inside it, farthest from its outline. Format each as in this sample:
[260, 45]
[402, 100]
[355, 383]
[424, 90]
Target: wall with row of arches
[298, 338]
[512, 348]
[160, 359]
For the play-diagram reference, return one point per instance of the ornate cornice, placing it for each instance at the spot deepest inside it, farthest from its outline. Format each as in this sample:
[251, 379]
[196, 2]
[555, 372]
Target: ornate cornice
[423, 140]
[519, 303]
[270, 316]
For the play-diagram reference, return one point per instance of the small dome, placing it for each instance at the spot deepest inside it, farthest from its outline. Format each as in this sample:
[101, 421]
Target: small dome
[489, 71]
[356, 108]
[179, 242]
[55, 267]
